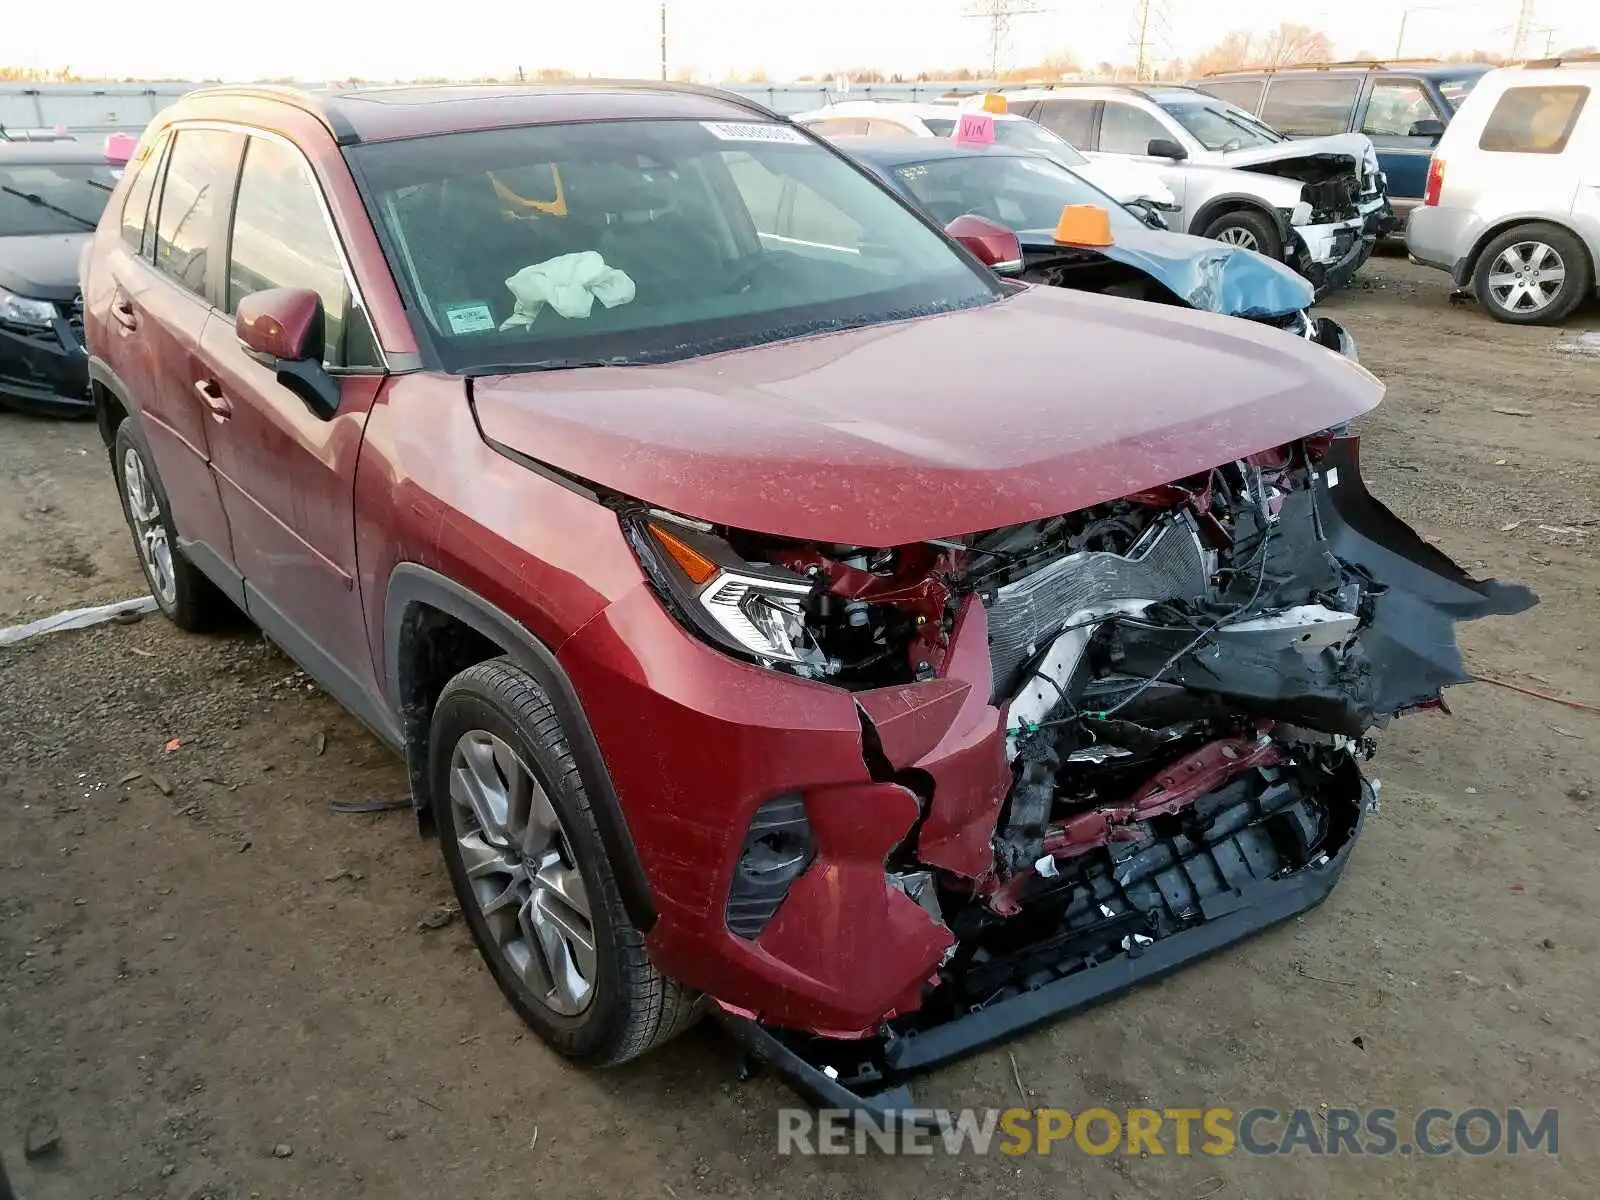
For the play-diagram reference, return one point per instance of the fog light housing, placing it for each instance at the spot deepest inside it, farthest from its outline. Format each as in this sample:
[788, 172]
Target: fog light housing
[777, 849]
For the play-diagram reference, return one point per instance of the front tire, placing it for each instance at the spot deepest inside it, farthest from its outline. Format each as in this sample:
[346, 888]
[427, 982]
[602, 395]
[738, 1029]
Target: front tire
[183, 593]
[1533, 274]
[1249, 230]
[532, 876]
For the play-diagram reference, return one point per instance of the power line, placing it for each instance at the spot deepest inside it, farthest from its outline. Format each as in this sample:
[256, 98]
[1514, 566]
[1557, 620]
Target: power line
[998, 14]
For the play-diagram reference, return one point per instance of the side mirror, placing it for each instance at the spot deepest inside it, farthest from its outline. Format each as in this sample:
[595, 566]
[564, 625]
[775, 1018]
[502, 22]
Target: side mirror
[995, 246]
[282, 328]
[1428, 127]
[1148, 213]
[1166, 148]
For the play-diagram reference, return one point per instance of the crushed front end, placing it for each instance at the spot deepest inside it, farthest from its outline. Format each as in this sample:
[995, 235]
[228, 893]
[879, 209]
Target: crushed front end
[1090, 749]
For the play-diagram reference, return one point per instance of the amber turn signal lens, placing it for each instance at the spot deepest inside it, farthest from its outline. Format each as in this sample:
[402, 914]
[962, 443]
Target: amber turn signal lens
[690, 561]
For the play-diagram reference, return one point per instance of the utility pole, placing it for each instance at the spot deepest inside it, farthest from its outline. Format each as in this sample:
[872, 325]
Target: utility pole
[1144, 38]
[663, 41]
[998, 14]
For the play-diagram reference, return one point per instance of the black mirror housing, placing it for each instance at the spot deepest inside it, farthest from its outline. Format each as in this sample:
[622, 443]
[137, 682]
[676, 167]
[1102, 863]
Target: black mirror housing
[1166, 148]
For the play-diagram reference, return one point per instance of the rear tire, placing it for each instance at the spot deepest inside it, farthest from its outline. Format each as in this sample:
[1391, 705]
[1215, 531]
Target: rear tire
[1534, 274]
[532, 876]
[1249, 230]
[185, 596]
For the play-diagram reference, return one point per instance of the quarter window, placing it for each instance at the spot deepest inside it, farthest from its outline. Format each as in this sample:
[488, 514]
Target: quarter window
[1069, 120]
[1311, 107]
[199, 173]
[1533, 120]
[136, 208]
[281, 239]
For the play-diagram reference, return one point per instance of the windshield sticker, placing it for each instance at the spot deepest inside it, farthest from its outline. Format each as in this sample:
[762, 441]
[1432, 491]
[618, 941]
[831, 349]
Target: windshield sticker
[740, 131]
[469, 318]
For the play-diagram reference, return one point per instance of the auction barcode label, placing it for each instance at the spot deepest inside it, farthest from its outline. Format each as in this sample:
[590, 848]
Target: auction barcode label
[735, 131]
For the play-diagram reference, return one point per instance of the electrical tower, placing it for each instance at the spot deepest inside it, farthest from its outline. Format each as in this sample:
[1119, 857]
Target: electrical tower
[1150, 30]
[1524, 30]
[998, 14]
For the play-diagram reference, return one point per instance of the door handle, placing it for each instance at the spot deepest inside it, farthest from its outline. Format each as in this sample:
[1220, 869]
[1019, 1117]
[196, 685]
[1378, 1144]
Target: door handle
[211, 396]
[123, 313]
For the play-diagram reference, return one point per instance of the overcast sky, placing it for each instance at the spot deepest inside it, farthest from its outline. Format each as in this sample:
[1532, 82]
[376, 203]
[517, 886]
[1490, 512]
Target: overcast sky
[316, 39]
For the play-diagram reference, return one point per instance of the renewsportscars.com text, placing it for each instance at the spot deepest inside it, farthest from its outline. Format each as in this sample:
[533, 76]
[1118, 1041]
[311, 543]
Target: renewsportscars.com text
[1312, 1130]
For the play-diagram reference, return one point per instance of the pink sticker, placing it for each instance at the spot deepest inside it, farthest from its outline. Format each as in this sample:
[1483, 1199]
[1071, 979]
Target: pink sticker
[976, 128]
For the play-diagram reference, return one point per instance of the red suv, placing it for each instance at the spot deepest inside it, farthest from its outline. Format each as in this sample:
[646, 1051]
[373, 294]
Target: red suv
[812, 628]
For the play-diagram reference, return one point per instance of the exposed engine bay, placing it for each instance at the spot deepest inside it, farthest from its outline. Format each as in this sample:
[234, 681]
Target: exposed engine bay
[1188, 680]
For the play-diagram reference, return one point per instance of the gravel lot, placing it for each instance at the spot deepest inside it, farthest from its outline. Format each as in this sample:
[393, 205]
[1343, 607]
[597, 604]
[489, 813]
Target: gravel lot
[214, 985]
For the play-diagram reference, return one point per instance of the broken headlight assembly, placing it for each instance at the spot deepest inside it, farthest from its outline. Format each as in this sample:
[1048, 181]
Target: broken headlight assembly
[755, 610]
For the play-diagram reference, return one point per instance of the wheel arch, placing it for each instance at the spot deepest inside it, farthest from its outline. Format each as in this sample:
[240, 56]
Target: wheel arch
[111, 404]
[1468, 266]
[421, 604]
[1231, 202]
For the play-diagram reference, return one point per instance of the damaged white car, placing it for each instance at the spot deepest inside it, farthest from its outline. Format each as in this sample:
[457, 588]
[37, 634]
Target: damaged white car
[1318, 204]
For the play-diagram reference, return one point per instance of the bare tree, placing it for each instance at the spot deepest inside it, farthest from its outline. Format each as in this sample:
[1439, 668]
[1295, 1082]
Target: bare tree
[1290, 43]
[1232, 53]
[1284, 46]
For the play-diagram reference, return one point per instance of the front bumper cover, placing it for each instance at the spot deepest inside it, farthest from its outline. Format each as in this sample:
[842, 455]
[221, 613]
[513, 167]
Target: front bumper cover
[882, 1090]
[45, 370]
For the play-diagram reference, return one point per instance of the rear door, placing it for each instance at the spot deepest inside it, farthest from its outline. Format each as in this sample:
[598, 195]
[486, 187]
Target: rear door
[1394, 108]
[287, 475]
[160, 307]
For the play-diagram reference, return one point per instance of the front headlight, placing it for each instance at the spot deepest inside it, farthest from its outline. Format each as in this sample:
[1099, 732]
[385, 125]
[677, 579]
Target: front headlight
[753, 609]
[20, 310]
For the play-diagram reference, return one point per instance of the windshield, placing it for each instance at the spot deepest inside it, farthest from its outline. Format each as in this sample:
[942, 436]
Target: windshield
[1217, 125]
[40, 198]
[1021, 134]
[645, 241]
[1021, 192]
[1455, 91]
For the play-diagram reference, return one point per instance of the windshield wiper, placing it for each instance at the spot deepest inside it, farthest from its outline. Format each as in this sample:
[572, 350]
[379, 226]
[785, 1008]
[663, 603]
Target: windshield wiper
[544, 364]
[34, 198]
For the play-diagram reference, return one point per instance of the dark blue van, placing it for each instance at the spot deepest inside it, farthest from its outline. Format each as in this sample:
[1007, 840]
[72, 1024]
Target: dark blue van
[1402, 106]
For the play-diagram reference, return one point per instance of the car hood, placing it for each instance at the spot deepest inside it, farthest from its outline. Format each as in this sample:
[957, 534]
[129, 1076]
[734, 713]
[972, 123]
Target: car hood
[1045, 402]
[1355, 147]
[1126, 181]
[42, 265]
[1208, 275]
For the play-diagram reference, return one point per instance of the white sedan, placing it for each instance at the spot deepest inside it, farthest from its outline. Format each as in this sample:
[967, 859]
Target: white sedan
[1124, 182]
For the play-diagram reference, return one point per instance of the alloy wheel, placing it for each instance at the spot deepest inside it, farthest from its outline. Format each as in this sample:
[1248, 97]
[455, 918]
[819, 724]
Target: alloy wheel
[149, 529]
[1527, 277]
[1238, 235]
[518, 858]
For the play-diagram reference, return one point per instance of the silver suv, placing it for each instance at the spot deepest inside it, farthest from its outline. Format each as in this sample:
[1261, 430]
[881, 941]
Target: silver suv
[1512, 206]
[1318, 204]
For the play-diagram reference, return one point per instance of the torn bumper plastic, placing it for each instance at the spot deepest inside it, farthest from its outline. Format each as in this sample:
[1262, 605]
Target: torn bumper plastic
[880, 1085]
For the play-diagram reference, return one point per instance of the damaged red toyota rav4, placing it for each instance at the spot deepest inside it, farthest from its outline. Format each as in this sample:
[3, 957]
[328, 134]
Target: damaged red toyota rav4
[814, 629]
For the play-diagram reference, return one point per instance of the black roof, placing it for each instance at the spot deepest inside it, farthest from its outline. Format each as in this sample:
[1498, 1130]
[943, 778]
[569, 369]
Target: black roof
[410, 110]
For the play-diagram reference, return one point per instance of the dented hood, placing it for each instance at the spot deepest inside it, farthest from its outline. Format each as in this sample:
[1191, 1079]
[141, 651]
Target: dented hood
[1206, 274]
[1356, 147]
[1045, 402]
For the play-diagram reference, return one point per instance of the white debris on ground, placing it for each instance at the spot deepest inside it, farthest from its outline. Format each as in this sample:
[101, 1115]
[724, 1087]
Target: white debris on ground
[79, 618]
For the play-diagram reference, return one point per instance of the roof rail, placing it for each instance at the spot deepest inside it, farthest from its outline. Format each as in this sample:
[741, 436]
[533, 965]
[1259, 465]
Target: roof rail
[1350, 64]
[302, 98]
[1560, 61]
[1128, 86]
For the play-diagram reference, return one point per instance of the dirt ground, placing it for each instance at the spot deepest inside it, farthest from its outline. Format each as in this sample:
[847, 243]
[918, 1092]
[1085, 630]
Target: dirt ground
[201, 962]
